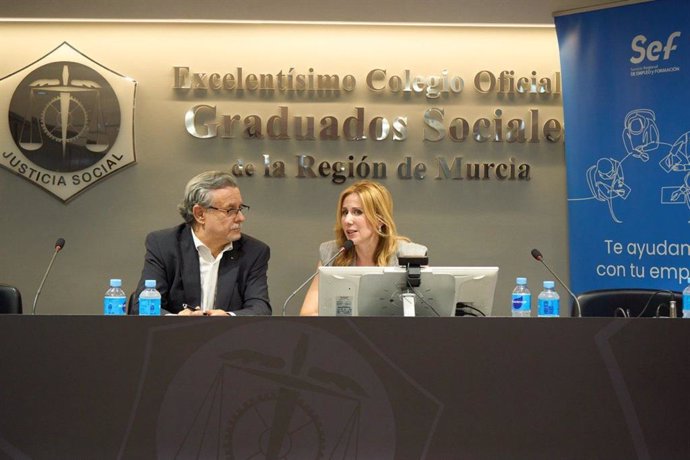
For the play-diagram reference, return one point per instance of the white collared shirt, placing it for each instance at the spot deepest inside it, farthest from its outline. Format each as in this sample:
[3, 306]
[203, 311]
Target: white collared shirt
[208, 272]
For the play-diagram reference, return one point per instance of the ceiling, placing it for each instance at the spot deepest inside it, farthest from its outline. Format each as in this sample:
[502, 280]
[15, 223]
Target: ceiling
[378, 11]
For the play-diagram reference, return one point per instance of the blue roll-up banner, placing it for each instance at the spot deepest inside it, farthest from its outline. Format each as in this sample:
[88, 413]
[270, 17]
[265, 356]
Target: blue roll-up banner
[626, 100]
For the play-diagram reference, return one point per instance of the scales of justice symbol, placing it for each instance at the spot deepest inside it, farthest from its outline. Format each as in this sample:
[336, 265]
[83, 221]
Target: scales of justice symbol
[278, 424]
[64, 118]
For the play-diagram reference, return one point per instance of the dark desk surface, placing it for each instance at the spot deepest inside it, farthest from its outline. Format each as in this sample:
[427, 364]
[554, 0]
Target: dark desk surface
[362, 388]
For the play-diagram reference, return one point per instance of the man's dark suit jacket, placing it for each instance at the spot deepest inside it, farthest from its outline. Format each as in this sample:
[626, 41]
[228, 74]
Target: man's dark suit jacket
[172, 260]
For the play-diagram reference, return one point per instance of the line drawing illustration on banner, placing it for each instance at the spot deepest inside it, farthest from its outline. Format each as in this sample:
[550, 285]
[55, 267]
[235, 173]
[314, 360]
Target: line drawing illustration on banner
[606, 178]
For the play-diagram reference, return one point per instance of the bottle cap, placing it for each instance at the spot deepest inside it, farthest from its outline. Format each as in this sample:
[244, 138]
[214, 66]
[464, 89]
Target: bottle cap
[115, 282]
[150, 283]
[549, 284]
[521, 281]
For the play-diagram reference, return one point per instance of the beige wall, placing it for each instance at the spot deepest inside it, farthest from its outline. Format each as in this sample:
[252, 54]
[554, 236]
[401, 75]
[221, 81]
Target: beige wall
[463, 222]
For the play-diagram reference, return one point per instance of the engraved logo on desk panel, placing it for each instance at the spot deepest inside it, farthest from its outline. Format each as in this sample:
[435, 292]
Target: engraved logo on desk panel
[70, 122]
[280, 399]
[300, 393]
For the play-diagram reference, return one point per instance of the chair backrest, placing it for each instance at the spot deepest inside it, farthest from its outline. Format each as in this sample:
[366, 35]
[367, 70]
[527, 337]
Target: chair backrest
[10, 300]
[606, 302]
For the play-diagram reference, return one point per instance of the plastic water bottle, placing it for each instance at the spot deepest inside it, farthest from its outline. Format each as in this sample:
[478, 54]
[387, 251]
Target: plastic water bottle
[115, 300]
[522, 299]
[686, 301]
[150, 300]
[549, 301]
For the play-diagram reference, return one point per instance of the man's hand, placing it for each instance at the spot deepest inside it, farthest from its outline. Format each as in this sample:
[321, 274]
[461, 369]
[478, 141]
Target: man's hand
[197, 311]
[217, 313]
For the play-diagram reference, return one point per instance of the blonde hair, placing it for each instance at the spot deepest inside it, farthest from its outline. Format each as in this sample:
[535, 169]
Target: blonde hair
[377, 205]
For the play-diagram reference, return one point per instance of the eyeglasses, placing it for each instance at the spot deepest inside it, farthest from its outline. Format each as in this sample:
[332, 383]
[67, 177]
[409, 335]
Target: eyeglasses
[232, 212]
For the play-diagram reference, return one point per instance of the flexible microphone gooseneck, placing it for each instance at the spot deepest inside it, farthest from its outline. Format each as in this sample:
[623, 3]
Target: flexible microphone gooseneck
[537, 255]
[345, 247]
[59, 244]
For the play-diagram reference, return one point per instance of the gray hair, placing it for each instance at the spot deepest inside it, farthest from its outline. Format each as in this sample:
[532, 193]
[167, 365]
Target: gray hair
[198, 191]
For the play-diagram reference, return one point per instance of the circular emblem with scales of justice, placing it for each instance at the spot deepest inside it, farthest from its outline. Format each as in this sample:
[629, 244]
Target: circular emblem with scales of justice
[64, 116]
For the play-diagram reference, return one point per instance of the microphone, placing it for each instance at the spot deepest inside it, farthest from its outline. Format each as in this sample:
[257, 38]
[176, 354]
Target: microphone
[537, 255]
[345, 247]
[59, 244]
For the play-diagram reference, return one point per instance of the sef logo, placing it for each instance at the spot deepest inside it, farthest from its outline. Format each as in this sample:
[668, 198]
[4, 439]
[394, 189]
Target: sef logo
[652, 50]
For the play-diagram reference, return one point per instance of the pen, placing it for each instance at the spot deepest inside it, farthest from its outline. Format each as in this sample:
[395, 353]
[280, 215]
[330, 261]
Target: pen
[187, 307]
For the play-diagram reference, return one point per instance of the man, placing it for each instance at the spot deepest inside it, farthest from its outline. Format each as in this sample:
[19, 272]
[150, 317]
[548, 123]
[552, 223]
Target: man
[206, 266]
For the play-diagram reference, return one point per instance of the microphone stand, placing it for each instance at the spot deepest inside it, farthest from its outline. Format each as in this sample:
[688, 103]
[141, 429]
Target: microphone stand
[298, 289]
[348, 244]
[40, 286]
[537, 255]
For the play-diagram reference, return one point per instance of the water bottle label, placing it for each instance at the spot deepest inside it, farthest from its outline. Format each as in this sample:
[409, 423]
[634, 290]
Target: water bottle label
[686, 305]
[522, 302]
[149, 307]
[114, 305]
[548, 307]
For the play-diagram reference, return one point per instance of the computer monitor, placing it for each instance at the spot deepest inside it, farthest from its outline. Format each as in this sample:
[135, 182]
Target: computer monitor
[377, 291]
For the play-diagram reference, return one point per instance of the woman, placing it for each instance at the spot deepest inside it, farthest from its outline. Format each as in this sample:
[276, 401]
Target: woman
[365, 217]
